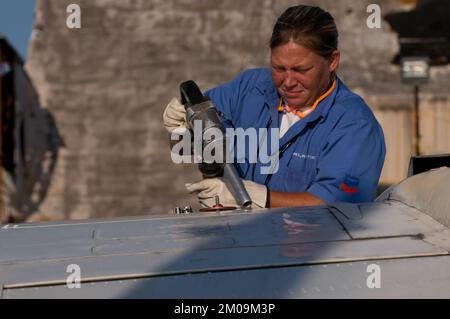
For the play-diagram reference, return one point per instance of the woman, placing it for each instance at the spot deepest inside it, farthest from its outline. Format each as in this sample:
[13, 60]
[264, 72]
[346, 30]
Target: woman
[331, 147]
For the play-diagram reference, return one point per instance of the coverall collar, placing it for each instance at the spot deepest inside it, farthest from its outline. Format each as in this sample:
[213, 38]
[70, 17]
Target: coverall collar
[268, 89]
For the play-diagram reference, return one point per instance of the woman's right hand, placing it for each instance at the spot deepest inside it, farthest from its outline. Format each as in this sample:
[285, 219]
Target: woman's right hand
[174, 116]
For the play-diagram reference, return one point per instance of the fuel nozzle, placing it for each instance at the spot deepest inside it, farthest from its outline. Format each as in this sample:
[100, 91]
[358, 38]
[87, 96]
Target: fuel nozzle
[199, 108]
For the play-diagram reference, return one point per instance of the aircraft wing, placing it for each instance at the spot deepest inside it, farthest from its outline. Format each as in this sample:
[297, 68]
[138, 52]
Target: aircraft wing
[376, 250]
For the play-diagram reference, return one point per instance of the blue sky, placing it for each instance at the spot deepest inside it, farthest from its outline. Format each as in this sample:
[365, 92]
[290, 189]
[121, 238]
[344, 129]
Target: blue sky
[16, 22]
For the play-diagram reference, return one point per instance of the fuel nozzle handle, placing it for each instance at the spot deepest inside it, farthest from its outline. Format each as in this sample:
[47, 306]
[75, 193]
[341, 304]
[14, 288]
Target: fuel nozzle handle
[200, 108]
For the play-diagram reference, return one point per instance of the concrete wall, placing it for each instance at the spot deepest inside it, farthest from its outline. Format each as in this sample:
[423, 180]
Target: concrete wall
[107, 84]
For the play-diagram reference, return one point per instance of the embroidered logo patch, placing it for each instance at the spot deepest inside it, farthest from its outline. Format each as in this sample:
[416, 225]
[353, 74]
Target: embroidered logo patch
[350, 185]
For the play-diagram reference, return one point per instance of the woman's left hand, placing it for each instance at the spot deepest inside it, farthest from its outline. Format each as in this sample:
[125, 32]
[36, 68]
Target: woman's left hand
[207, 189]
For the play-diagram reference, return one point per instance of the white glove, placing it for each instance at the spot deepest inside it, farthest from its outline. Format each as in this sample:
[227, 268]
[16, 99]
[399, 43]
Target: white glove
[209, 188]
[174, 116]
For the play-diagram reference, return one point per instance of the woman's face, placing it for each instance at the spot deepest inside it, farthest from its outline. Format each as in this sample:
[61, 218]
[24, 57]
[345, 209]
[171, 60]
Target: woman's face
[301, 75]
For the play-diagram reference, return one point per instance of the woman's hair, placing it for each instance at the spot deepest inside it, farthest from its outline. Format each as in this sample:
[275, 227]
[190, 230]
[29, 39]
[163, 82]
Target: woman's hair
[309, 26]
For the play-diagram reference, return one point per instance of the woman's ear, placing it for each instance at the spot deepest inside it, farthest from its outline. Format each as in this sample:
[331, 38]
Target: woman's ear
[334, 60]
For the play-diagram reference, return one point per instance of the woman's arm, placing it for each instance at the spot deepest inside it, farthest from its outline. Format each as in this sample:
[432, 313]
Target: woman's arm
[282, 199]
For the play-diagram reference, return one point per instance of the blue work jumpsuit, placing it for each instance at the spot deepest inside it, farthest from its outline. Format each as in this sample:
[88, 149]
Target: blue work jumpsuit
[335, 153]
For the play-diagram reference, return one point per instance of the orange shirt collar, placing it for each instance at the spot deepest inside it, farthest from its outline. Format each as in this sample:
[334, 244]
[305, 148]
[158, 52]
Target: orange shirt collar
[301, 114]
